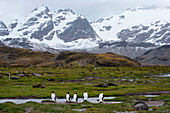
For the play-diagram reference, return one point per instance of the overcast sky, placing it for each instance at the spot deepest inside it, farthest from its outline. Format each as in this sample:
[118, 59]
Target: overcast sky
[91, 9]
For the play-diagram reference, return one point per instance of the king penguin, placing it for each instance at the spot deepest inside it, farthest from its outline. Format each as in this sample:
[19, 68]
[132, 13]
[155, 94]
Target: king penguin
[101, 96]
[85, 95]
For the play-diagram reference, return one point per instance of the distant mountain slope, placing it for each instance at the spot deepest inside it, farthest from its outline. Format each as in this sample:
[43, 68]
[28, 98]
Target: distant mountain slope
[25, 57]
[84, 59]
[130, 49]
[156, 57]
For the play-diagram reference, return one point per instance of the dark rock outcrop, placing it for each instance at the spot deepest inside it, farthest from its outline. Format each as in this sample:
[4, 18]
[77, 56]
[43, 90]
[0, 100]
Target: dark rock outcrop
[3, 29]
[13, 24]
[79, 29]
[43, 30]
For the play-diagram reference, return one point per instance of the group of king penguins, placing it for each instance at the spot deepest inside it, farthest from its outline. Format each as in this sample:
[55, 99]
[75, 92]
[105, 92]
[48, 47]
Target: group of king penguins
[75, 97]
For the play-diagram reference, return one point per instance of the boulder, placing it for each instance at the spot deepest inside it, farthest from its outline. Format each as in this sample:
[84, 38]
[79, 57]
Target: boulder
[140, 106]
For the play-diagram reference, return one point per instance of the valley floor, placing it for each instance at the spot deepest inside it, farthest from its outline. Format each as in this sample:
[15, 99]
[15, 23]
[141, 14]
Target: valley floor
[128, 83]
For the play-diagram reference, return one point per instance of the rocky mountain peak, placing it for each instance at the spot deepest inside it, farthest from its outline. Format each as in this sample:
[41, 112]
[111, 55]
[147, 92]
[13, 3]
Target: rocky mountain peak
[78, 29]
[65, 11]
[37, 24]
[41, 10]
[56, 29]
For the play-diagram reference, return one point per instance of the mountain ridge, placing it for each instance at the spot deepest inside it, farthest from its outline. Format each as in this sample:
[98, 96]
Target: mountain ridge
[66, 30]
[19, 57]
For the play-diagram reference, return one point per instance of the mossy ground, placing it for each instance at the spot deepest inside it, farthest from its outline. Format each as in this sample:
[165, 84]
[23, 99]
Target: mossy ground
[34, 107]
[79, 79]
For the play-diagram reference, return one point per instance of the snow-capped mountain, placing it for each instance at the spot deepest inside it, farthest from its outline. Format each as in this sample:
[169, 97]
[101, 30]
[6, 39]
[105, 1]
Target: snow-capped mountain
[157, 33]
[59, 30]
[134, 31]
[131, 33]
[133, 22]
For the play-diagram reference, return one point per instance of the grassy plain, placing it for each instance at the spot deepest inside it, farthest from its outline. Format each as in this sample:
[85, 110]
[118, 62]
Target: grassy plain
[78, 79]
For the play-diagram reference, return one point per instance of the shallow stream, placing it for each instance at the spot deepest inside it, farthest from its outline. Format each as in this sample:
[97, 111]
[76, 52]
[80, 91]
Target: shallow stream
[80, 100]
